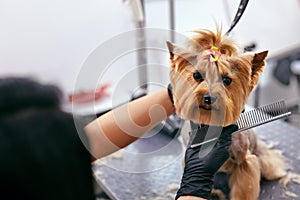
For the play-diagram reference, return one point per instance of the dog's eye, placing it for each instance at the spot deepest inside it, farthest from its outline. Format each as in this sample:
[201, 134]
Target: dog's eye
[198, 77]
[226, 80]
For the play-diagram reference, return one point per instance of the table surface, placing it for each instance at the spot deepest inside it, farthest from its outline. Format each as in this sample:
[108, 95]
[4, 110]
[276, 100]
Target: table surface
[151, 167]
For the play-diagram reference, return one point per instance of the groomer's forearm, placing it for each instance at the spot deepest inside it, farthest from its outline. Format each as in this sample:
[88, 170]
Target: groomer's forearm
[123, 125]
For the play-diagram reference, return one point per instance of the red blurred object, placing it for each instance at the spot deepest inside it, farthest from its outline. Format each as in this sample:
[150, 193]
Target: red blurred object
[89, 96]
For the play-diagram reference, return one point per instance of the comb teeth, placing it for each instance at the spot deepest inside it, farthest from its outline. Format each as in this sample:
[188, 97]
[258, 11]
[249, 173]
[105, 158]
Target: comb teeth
[262, 115]
[257, 117]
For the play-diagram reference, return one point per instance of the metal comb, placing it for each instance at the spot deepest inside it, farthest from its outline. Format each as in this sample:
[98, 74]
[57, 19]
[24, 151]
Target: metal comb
[262, 115]
[257, 117]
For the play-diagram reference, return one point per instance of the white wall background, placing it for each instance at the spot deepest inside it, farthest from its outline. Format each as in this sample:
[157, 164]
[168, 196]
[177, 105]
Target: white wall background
[50, 40]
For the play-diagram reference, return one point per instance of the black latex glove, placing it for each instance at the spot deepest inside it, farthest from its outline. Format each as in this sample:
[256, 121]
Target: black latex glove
[200, 167]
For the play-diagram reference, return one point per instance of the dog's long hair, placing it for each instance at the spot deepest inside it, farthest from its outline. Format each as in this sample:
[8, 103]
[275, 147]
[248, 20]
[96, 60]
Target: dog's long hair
[244, 169]
[212, 65]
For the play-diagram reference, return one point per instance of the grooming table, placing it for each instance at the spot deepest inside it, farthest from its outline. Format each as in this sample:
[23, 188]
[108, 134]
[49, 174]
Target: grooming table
[151, 167]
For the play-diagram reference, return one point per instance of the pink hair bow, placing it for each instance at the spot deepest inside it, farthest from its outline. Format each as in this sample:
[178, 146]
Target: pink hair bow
[212, 54]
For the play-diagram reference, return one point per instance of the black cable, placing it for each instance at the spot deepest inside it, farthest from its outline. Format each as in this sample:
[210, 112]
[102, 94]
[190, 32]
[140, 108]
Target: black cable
[238, 15]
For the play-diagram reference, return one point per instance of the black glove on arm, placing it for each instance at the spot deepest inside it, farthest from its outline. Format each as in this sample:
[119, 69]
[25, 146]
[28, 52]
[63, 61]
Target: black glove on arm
[199, 170]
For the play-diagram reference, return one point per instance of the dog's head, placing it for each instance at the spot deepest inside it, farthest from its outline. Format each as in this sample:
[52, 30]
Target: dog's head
[211, 80]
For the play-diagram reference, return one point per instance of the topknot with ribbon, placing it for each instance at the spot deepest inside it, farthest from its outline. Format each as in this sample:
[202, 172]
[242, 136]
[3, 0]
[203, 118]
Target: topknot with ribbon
[212, 54]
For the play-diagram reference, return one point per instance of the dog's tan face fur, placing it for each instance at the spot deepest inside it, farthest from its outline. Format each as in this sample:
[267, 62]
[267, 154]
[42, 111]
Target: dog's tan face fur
[213, 93]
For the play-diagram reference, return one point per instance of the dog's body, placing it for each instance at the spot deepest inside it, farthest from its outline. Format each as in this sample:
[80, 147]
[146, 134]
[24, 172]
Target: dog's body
[211, 81]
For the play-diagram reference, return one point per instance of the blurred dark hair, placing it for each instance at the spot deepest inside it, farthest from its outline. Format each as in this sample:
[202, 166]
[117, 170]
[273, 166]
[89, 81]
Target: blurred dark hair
[24, 93]
[42, 155]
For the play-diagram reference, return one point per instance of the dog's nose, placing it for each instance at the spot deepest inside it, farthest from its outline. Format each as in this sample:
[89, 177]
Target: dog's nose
[209, 99]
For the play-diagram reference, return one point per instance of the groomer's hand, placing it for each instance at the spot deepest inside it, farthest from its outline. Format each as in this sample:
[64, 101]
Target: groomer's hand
[197, 179]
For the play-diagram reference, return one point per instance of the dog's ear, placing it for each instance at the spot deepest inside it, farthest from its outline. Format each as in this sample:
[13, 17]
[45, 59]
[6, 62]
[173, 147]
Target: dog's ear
[180, 55]
[258, 63]
[176, 50]
[171, 48]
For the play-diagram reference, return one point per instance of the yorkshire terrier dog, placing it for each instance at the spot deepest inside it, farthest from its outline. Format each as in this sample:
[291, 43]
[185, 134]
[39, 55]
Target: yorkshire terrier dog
[211, 80]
